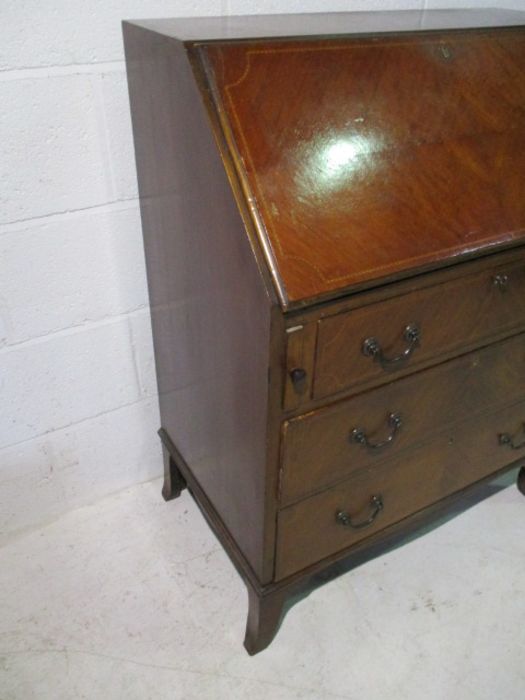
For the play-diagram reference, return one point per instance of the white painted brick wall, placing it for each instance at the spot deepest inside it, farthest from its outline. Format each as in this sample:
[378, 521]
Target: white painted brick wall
[78, 409]
[65, 271]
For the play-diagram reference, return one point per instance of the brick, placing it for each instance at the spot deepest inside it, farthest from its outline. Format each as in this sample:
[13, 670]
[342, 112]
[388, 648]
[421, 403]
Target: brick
[65, 469]
[70, 271]
[56, 382]
[55, 158]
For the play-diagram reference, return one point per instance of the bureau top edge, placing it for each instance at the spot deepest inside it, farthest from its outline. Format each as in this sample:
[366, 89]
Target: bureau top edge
[328, 304]
[234, 27]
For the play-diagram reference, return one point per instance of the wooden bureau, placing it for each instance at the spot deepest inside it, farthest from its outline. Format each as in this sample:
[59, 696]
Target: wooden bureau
[333, 210]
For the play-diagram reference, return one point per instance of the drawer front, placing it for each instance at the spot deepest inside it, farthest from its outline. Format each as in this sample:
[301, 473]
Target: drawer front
[309, 531]
[328, 445]
[375, 341]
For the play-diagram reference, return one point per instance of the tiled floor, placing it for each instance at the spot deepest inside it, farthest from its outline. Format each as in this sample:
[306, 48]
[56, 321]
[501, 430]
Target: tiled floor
[133, 598]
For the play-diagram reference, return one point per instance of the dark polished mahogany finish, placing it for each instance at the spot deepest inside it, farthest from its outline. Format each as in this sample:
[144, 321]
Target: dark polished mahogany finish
[450, 316]
[358, 170]
[318, 448]
[457, 456]
[333, 210]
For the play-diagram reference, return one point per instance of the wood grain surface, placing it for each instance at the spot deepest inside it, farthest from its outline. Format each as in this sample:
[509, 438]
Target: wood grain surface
[451, 316]
[318, 448]
[468, 451]
[367, 157]
[210, 309]
[298, 196]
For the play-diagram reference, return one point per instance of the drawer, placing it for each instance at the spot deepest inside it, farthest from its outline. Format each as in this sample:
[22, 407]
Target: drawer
[374, 341]
[327, 445]
[309, 531]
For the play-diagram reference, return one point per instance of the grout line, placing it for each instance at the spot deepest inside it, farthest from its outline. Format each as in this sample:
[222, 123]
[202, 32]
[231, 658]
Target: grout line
[67, 426]
[104, 135]
[422, 9]
[134, 358]
[115, 205]
[31, 73]
[76, 328]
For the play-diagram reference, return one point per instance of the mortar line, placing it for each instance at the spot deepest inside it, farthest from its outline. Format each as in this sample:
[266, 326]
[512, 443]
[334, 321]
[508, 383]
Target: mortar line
[76, 328]
[111, 206]
[51, 71]
[38, 436]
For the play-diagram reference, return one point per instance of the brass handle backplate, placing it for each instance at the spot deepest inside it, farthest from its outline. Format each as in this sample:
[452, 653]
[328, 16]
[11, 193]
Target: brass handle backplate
[345, 519]
[372, 348]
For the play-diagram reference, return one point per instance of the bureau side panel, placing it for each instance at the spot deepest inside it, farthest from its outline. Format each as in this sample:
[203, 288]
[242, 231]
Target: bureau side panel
[210, 308]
